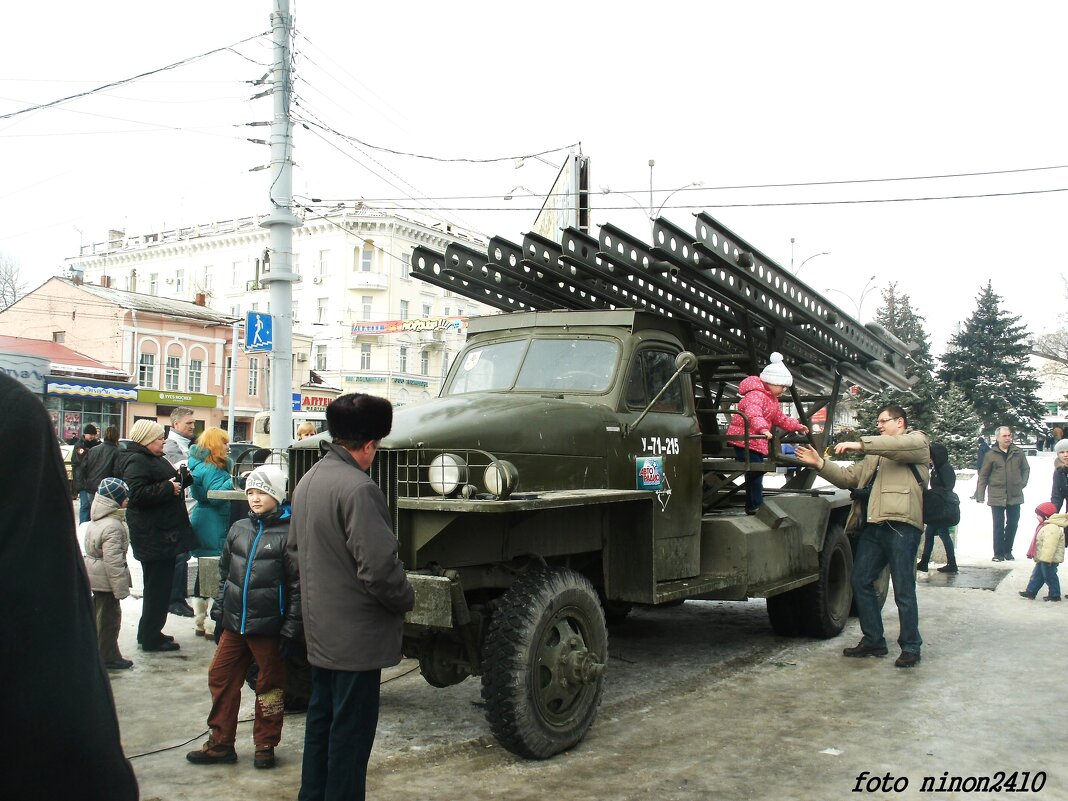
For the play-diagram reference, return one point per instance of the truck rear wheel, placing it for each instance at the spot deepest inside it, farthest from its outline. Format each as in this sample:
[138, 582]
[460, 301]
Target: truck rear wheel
[543, 663]
[820, 609]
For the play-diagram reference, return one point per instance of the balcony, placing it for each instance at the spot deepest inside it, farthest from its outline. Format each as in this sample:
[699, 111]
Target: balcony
[362, 280]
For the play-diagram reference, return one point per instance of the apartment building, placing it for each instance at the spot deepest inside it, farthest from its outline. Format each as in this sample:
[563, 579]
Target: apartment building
[361, 315]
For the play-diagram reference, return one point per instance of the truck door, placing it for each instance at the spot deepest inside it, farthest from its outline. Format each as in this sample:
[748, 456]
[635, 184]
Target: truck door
[665, 451]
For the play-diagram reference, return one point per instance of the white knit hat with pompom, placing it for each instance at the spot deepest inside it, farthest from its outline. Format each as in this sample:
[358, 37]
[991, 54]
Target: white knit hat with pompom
[776, 372]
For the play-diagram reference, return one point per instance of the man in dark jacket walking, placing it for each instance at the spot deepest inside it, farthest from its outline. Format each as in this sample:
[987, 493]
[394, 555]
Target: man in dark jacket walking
[354, 595]
[77, 470]
[1002, 478]
[101, 461]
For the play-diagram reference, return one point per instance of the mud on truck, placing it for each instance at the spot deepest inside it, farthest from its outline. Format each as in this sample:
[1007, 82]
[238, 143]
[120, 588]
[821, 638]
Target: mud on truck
[575, 463]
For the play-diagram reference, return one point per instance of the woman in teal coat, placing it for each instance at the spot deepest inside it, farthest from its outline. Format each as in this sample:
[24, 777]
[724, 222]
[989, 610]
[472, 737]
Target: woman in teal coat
[210, 468]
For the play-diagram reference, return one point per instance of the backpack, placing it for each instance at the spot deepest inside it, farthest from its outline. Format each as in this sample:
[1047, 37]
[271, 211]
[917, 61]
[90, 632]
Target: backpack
[941, 507]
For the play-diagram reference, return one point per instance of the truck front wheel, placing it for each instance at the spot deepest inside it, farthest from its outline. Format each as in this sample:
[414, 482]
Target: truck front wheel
[543, 663]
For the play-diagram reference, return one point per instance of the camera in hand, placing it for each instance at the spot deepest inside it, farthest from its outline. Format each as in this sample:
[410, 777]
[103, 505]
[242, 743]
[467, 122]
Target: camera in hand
[184, 476]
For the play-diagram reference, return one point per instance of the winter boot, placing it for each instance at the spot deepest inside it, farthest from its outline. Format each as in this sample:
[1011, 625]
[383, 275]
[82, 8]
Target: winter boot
[922, 567]
[213, 753]
[264, 756]
[950, 568]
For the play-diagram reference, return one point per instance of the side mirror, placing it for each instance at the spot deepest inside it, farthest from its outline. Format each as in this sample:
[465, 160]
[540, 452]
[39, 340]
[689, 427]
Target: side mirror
[686, 362]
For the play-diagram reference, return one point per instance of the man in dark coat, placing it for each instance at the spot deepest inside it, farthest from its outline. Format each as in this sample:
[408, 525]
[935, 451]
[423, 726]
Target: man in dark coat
[159, 527]
[101, 461]
[61, 740]
[78, 482]
[354, 596]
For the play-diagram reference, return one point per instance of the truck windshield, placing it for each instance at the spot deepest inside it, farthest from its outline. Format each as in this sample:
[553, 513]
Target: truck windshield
[538, 365]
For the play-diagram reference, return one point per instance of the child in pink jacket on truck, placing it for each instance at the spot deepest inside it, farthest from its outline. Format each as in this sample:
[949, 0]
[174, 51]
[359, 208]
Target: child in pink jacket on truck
[760, 405]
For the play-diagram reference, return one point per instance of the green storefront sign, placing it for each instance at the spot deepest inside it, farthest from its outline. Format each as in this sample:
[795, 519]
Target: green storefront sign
[177, 398]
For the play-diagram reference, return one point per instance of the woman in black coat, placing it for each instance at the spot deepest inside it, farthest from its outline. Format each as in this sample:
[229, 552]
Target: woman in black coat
[942, 475]
[159, 527]
[1059, 493]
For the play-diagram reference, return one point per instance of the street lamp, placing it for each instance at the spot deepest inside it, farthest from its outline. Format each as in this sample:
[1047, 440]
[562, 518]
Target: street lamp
[810, 258]
[514, 189]
[652, 215]
[858, 305]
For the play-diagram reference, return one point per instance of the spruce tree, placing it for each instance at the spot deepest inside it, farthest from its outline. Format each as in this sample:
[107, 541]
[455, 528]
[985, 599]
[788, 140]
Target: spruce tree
[900, 319]
[988, 360]
[956, 425]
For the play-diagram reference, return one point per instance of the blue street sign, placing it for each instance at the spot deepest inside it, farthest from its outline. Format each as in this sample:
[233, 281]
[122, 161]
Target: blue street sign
[296, 401]
[259, 333]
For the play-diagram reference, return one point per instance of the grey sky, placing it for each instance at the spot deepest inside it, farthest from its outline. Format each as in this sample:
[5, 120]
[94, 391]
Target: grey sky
[728, 94]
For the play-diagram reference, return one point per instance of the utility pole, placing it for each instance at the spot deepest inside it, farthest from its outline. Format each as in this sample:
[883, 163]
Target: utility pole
[281, 221]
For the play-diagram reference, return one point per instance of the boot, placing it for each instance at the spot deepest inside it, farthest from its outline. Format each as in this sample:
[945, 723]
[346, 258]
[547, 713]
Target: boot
[950, 568]
[1028, 595]
[264, 756]
[212, 753]
[921, 567]
[200, 612]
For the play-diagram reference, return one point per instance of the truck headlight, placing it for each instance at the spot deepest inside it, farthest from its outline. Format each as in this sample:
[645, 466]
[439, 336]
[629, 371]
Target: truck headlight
[447, 472]
[501, 479]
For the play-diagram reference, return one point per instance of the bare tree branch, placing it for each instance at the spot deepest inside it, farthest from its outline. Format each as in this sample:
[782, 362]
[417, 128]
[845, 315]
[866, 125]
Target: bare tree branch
[11, 286]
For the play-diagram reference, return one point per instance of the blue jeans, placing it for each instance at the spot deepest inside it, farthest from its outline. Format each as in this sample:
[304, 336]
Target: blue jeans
[879, 545]
[947, 541]
[754, 481]
[1045, 573]
[339, 732]
[85, 504]
[1006, 519]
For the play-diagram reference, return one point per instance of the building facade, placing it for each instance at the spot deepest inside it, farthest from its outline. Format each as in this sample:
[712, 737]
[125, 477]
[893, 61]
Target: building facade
[361, 316]
[178, 353]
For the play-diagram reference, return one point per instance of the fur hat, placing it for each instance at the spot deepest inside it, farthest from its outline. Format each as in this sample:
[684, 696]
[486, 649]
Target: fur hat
[1062, 445]
[776, 372]
[114, 488]
[1044, 510]
[270, 479]
[146, 431]
[359, 418]
[89, 429]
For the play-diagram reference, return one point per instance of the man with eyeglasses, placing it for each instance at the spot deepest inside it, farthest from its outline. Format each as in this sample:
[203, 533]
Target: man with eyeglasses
[1002, 478]
[889, 520]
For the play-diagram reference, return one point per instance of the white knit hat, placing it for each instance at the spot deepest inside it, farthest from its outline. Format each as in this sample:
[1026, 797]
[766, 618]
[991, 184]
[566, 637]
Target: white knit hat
[776, 372]
[270, 479]
[146, 431]
[1062, 445]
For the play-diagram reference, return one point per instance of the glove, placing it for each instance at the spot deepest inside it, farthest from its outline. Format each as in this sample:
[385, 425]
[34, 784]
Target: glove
[286, 647]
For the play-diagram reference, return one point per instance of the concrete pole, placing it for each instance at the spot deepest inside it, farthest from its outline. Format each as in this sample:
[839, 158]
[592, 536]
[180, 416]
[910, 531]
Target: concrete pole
[281, 221]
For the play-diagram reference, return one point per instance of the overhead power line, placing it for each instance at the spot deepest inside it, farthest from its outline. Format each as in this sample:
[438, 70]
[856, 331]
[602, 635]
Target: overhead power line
[124, 81]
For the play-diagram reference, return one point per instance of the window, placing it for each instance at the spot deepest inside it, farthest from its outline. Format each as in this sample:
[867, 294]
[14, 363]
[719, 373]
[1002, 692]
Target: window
[459, 311]
[254, 306]
[59, 336]
[424, 363]
[153, 283]
[146, 370]
[229, 373]
[446, 311]
[365, 301]
[367, 258]
[324, 262]
[320, 311]
[404, 310]
[179, 282]
[235, 273]
[196, 374]
[253, 376]
[406, 265]
[649, 371]
[426, 309]
[235, 310]
[402, 359]
[296, 263]
[206, 284]
[296, 313]
[170, 374]
[320, 357]
[365, 356]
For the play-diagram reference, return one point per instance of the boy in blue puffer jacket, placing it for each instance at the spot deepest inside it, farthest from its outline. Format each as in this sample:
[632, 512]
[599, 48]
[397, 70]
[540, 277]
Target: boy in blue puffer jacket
[257, 607]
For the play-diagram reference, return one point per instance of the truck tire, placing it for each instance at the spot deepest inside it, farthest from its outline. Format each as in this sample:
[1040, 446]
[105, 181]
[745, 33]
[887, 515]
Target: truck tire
[543, 663]
[822, 608]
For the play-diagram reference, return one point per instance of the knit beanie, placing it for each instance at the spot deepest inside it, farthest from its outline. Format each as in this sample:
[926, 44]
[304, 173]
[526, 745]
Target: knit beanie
[270, 479]
[146, 431]
[115, 489]
[1062, 445]
[1044, 510]
[776, 372]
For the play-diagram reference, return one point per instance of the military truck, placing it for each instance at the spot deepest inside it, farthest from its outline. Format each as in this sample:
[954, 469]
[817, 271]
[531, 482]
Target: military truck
[575, 463]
